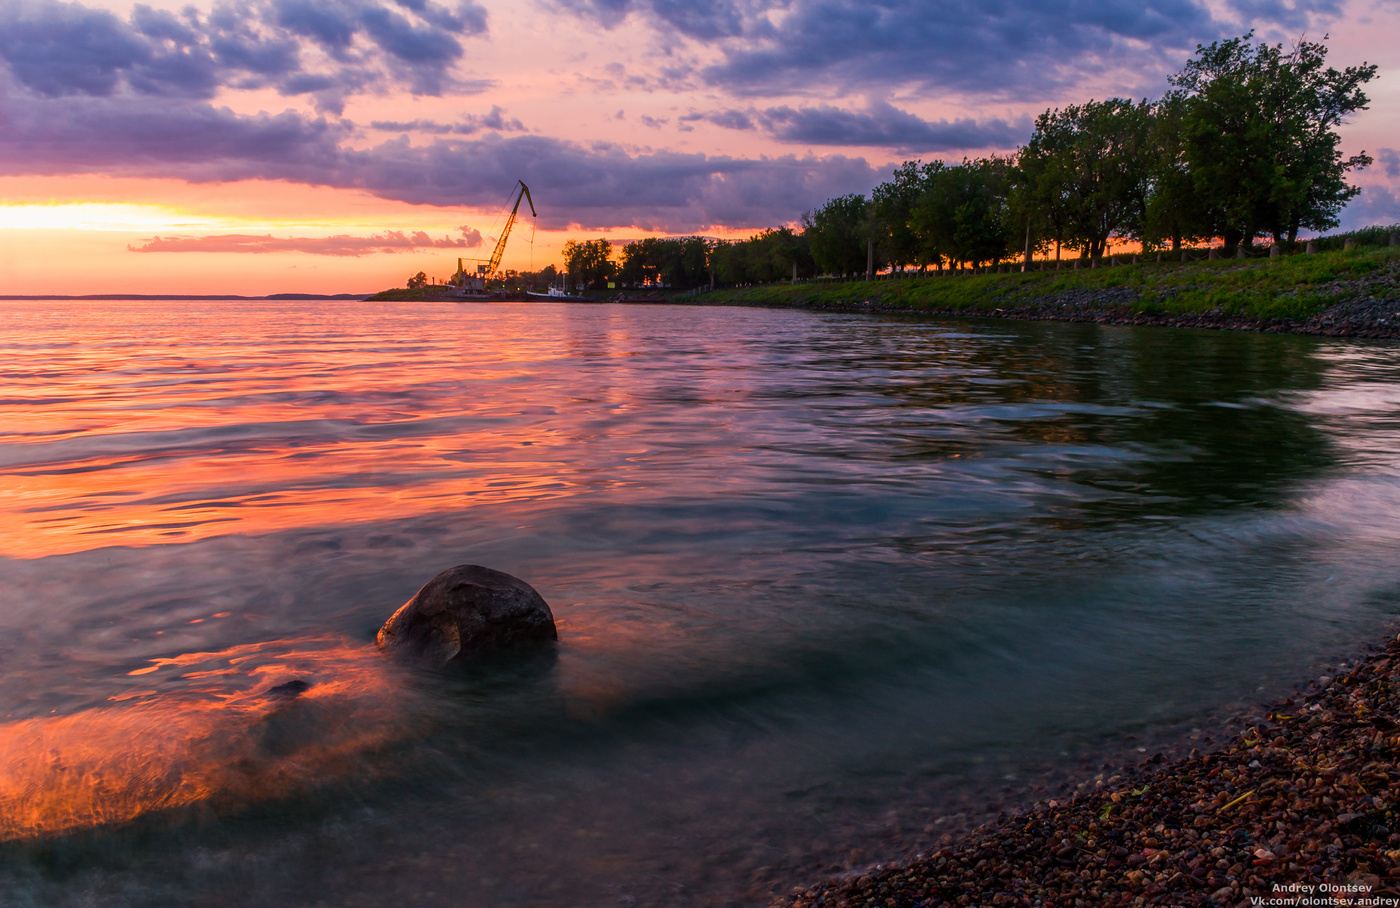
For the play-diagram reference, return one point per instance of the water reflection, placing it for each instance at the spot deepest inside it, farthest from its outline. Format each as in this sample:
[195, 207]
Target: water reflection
[822, 581]
[1140, 424]
[219, 731]
[137, 441]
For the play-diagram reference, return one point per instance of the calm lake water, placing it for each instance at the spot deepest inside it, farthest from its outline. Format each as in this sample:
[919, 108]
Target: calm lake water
[828, 586]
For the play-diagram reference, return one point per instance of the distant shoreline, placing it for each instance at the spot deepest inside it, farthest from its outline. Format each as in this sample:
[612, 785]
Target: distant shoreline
[184, 296]
[1332, 294]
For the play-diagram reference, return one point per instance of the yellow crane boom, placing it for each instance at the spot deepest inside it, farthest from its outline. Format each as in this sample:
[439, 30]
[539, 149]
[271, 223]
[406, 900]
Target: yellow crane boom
[488, 271]
[500, 249]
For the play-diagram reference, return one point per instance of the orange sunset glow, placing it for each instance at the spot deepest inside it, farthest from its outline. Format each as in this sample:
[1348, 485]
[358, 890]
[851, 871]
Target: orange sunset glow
[625, 124]
[846, 451]
[217, 478]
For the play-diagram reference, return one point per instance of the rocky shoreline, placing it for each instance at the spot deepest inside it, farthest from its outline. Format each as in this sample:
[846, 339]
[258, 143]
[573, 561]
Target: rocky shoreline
[1366, 306]
[1302, 808]
[1366, 317]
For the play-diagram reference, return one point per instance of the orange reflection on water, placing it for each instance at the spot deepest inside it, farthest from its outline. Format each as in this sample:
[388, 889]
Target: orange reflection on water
[228, 739]
[108, 502]
[127, 423]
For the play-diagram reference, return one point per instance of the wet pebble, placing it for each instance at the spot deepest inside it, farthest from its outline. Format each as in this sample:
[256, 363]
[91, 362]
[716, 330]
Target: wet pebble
[1302, 795]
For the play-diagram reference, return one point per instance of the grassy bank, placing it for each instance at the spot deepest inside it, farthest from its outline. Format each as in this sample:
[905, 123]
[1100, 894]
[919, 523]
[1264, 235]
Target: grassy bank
[399, 294]
[1290, 289]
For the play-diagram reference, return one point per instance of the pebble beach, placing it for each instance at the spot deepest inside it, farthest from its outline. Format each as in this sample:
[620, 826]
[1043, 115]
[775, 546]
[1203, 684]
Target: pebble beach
[1299, 809]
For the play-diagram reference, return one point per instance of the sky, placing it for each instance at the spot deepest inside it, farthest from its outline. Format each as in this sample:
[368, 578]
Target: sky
[339, 146]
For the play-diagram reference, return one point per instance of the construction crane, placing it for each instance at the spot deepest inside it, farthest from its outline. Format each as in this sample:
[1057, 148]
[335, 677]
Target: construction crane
[488, 270]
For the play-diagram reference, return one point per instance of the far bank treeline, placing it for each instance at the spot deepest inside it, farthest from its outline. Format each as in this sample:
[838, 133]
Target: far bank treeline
[1242, 149]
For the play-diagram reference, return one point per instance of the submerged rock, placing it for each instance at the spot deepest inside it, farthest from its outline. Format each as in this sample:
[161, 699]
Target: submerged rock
[289, 691]
[466, 610]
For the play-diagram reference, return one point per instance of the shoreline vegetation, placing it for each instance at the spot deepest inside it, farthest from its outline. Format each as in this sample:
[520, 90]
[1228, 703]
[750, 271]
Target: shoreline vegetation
[1242, 157]
[1243, 151]
[1352, 293]
[1343, 293]
[186, 296]
[1244, 147]
[1295, 810]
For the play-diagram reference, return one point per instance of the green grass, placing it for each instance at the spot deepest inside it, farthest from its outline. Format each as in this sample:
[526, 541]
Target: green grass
[1295, 287]
[431, 292]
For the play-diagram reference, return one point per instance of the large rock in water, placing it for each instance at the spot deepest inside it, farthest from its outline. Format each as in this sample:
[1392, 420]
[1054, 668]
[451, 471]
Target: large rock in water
[465, 610]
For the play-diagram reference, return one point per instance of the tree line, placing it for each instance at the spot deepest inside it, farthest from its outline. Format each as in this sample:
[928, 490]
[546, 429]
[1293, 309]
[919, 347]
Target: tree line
[689, 261]
[1243, 147]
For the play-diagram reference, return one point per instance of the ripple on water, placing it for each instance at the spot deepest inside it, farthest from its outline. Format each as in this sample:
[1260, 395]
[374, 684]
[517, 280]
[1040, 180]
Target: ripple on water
[826, 585]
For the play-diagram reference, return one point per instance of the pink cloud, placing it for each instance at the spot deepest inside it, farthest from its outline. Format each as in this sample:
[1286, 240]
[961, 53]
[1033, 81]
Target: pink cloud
[344, 245]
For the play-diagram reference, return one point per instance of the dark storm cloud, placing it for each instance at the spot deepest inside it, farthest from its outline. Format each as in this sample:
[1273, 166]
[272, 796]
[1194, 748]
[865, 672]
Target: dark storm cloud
[59, 48]
[1287, 17]
[117, 110]
[409, 42]
[885, 126]
[147, 136]
[704, 20]
[163, 25]
[351, 246]
[604, 186]
[467, 18]
[729, 119]
[597, 186]
[495, 119]
[1021, 48]
[332, 25]
[240, 46]
[880, 125]
[56, 48]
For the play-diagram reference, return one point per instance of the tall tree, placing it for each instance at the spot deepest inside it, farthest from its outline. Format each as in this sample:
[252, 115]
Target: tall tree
[772, 255]
[588, 263]
[1088, 168]
[1175, 212]
[1261, 136]
[672, 261]
[892, 204]
[838, 233]
[963, 213]
[777, 254]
